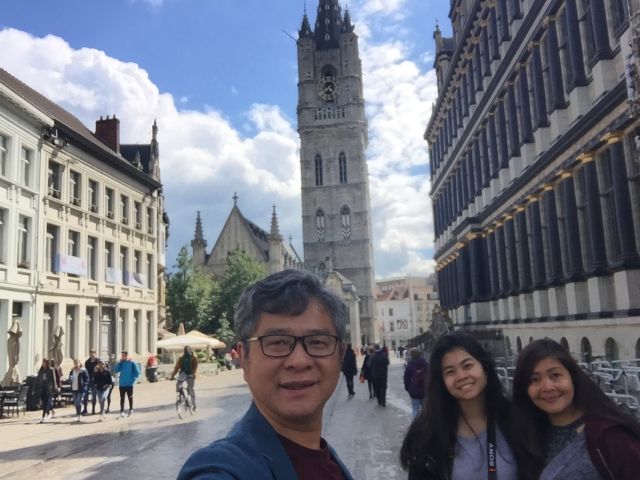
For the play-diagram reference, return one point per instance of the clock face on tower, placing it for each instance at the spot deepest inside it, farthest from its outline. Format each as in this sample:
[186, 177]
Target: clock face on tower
[328, 88]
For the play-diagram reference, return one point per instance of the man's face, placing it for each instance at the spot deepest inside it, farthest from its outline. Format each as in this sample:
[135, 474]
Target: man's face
[92, 355]
[123, 356]
[291, 391]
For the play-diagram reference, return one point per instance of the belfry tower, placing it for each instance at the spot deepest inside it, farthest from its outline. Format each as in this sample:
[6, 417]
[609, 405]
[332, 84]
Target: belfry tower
[336, 211]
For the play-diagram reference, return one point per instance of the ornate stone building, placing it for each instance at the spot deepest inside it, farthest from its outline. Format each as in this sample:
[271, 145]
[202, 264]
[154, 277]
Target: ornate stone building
[536, 172]
[240, 233]
[82, 232]
[336, 212]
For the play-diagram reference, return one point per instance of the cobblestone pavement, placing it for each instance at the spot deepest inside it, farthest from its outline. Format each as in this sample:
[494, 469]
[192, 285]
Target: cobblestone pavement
[154, 442]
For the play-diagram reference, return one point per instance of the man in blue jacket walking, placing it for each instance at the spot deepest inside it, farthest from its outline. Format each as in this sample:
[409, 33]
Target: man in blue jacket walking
[291, 328]
[129, 372]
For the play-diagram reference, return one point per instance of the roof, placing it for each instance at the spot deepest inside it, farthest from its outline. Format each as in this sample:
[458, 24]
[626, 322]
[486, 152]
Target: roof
[72, 126]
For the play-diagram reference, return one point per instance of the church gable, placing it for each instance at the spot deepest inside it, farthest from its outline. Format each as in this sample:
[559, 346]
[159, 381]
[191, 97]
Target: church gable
[238, 234]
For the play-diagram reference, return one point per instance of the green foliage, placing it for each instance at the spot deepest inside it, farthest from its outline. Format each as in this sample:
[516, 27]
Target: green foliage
[242, 270]
[190, 294]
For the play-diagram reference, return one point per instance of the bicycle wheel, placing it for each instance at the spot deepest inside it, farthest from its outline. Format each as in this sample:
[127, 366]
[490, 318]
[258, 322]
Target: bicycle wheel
[187, 405]
[180, 404]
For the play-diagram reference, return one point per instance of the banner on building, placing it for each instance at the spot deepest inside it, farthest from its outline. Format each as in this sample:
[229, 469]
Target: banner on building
[134, 279]
[112, 275]
[70, 264]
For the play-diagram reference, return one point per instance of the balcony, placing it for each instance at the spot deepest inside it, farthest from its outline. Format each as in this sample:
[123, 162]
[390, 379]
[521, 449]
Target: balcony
[124, 221]
[93, 208]
[110, 215]
[53, 192]
[75, 201]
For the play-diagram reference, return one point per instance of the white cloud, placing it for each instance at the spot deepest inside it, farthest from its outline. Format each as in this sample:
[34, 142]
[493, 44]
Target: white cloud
[204, 158]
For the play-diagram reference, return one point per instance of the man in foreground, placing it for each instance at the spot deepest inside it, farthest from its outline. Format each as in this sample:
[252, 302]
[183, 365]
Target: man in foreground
[290, 328]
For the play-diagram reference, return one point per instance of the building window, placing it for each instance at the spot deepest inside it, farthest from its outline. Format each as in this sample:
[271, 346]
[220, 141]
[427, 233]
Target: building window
[321, 228]
[137, 214]
[150, 272]
[583, 219]
[342, 162]
[54, 173]
[108, 254]
[607, 202]
[52, 246]
[71, 346]
[619, 11]
[137, 261]
[24, 241]
[73, 243]
[124, 262]
[26, 158]
[108, 202]
[391, 312]
[92, 258]
[632, 158]
[91, 328]
[124, 209]
[75, 181]
[3, 230]
[318, 165]
[150, 222]
[4, 154]
[345, 218]
[136, 331]
[93, 196]
[586, 23]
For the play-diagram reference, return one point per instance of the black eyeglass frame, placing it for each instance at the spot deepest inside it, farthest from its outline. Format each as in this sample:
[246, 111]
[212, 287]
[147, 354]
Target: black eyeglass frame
[296, 339]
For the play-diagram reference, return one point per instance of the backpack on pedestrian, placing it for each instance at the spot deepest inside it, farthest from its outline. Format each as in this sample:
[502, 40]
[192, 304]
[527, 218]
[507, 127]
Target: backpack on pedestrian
[415, 386]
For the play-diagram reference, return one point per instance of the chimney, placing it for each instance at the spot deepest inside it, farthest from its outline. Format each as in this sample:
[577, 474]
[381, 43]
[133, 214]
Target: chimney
[108, 132]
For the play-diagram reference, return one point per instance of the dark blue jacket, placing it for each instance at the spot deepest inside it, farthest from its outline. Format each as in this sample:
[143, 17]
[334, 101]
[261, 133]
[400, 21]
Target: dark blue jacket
[251, 450]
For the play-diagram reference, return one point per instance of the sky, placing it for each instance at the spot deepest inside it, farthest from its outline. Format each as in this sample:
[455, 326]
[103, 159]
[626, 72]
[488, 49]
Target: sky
[220, 78]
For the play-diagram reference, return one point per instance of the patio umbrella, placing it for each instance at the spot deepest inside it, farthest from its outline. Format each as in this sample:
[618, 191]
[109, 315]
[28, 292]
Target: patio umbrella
[162, 334]
[13, 349]
[193, 341]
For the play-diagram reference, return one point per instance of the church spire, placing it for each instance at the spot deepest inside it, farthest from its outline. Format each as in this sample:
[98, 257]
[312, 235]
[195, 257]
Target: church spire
[154, 160]
[347, 26]
[305, 29]
[328, 25]
[275, 229]
[198, 239]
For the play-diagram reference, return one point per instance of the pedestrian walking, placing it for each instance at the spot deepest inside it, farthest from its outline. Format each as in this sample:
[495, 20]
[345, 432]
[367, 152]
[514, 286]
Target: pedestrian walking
[46, 386]
[186, 368]
[57, 371]
[365, 371]
[349, 369]
[103, 382]
[415, 375]
[128, 373]
[79, 380]
[379, 371]
[290, 327]
[90, 365]
[462, 431]
[564, 425]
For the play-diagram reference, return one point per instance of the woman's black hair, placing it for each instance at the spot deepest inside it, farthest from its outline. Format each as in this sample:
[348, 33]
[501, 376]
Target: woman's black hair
[530, 423]
[432, 435]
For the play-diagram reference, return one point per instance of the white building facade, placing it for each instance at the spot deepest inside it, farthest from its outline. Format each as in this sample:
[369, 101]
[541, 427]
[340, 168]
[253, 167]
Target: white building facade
[82, 237]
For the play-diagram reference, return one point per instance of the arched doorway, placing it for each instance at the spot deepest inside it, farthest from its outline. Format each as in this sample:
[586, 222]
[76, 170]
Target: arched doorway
[518, 345]
[565, 343]
[585, 350]
[611, 349]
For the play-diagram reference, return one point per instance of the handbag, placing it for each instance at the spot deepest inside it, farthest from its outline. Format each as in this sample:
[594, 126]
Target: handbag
[361, 378]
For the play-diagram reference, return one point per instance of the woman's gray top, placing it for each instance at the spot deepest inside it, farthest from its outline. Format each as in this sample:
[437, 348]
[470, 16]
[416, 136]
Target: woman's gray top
[572, 463]
[470, 460]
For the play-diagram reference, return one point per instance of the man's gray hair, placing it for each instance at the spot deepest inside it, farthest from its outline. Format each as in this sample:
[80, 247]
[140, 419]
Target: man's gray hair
[286, 293]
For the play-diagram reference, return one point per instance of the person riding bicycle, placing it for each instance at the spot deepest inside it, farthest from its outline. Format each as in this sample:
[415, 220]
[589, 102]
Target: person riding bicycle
[187, 365]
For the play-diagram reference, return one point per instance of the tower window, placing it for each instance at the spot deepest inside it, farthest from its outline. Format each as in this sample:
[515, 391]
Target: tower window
[318, 162]
[321, 228]
[342, 163]
[345, 216]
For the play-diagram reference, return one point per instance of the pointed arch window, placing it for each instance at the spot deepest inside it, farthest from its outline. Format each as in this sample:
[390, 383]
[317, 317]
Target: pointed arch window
[321, 228]
[318, 165]
[342, 163]
[345, 218]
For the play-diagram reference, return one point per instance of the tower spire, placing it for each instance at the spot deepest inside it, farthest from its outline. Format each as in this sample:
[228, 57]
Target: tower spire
[198, 239]
[275, 229]
[328, 25]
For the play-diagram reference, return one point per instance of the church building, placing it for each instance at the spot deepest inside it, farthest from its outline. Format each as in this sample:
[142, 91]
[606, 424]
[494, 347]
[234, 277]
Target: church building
[336, 212]
[240, 233]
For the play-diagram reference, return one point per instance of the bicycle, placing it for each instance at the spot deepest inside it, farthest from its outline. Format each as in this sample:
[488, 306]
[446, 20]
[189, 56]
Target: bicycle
[184, 403]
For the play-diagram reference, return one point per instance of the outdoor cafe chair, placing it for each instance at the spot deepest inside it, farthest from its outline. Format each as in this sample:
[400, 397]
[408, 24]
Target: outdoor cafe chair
[15, 401]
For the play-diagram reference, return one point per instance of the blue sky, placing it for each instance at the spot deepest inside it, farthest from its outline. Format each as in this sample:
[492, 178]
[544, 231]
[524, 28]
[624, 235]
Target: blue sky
[220, 77]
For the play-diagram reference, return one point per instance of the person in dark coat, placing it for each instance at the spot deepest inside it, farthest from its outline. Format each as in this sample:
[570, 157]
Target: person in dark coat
[46, 386]
[365, 371]
[379, 372]
[349, 369]
[415, 374]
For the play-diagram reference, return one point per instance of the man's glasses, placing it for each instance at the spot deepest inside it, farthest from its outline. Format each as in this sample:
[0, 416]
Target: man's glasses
[280, 345]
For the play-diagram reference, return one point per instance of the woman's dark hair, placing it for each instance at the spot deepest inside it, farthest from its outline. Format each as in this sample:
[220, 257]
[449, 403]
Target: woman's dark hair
[46, 361]
[530, 423]
[432, 435]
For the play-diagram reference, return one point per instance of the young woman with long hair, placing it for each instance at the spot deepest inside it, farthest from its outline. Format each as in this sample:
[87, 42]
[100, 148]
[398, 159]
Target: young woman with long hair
[461, 432]
[564, 426]
[46, 387]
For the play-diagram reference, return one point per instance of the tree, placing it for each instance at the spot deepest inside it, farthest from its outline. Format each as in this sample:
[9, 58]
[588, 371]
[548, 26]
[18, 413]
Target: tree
[242, 270]
[190, 293]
